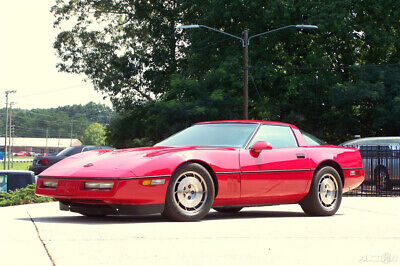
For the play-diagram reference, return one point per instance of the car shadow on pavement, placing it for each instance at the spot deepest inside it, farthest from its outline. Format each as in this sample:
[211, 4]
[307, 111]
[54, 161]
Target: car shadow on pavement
[157, 218]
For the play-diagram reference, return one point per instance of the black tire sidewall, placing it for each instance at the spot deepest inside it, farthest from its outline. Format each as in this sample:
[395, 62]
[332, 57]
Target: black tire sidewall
[312, 199]
[377, 178]
[173, 211]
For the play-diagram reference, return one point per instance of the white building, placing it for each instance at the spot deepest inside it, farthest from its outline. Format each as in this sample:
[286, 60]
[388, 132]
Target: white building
[40, 145]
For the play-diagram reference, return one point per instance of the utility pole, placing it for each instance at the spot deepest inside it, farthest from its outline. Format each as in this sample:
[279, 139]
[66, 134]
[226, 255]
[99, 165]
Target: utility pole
[12, 144]
[9, 139]
[246, 75]
[47, 136]
[72, 127]
[6, 131]
[58, 143]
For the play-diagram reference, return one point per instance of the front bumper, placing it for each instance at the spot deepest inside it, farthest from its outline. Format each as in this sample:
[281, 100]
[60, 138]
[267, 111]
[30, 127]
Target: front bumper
[124, 191]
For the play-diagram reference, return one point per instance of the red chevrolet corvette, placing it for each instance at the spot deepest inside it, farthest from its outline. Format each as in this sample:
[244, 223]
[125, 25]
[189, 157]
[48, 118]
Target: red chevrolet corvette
[225, 165]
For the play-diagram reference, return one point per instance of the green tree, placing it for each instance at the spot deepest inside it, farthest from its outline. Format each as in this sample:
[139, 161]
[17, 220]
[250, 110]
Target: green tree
[95, 134]
[57, 122]
[161, 79]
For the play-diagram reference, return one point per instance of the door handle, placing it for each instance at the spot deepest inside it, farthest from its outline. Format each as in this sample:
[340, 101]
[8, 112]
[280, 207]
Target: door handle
[301, 155]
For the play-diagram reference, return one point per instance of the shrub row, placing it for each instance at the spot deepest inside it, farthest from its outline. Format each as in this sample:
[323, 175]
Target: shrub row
[21, 196]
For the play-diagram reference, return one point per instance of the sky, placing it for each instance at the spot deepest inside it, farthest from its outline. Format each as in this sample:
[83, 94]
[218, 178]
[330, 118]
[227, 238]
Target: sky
[28, 60]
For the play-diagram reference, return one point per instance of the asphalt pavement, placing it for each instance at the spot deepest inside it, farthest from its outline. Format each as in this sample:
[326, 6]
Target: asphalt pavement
[365, 231]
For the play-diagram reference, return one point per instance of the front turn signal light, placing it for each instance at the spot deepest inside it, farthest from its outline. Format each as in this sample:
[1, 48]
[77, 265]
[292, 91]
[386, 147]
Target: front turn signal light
[153, 182]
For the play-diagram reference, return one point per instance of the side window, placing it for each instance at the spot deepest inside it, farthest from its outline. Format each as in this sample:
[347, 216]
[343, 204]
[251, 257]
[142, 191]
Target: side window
[312, 140]
[278, 136]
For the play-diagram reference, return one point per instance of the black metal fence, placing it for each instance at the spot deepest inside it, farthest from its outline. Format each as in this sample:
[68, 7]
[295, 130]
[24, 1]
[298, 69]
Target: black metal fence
[382, 171]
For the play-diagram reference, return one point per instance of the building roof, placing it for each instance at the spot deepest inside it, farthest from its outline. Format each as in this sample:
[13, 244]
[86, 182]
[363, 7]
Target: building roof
[42, 142]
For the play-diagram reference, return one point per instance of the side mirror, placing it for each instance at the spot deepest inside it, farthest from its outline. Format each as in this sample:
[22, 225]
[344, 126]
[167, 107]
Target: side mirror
[259, 146]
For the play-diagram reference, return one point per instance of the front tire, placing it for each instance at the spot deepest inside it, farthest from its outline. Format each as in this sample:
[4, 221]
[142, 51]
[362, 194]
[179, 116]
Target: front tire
[190, 194]
[325, 194]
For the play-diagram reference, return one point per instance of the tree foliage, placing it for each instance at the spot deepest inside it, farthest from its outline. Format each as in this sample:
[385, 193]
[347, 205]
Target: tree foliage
[57, 122]
[95, 134]
[161, 79]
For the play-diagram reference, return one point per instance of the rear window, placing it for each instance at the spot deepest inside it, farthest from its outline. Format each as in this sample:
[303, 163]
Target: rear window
[312, 140]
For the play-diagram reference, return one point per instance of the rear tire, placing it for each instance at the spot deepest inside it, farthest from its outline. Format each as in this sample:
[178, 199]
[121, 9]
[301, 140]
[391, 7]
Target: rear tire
[228, 209]
[325, 193]
[190, 194]
[381, 178]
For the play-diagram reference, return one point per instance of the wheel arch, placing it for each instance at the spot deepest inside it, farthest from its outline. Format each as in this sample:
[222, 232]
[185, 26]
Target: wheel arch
[208, 168]
[333, 164]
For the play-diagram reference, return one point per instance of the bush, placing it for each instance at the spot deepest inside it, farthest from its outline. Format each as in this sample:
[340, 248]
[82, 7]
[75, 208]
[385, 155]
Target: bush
[21, 196]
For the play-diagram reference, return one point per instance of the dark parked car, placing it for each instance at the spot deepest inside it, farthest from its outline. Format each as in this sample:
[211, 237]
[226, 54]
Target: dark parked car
[40, 163]
[15, 179]
[381, 160]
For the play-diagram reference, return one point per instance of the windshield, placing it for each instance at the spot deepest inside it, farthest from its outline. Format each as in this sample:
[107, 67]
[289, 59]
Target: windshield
[212, 135]
[66, 152]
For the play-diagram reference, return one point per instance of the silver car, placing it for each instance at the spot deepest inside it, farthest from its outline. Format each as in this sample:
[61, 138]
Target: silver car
[381, 160]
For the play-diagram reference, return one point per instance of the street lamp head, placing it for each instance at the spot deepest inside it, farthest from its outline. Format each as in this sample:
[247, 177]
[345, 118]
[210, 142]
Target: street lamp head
[189, 26]
[307, 27]
[310, 29]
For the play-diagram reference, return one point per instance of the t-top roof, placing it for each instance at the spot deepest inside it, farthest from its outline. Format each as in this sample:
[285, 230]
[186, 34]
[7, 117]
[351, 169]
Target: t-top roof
[247, 121]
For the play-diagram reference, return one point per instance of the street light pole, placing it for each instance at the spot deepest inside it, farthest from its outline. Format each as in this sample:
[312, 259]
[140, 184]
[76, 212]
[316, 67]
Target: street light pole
[246, 75]
[245, 43]
[10, 134]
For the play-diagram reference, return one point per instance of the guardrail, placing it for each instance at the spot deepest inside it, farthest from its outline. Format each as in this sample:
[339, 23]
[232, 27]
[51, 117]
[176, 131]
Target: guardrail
[381, 165]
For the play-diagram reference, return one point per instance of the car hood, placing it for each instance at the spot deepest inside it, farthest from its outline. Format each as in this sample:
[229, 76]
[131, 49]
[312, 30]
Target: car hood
[113, 163]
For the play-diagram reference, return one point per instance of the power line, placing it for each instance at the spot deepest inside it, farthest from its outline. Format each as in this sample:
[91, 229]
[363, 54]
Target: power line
[334, 68]
[259, 95]
[50, 91]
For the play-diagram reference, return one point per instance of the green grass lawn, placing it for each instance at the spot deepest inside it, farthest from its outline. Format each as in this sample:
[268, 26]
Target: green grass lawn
[24, 157]
[17, 165]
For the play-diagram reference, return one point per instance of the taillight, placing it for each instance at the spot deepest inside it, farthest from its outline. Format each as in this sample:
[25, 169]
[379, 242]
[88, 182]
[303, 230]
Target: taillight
[44, 161]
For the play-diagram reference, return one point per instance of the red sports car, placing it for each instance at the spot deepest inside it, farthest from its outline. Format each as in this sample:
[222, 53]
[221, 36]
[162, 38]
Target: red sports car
[225, 165]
